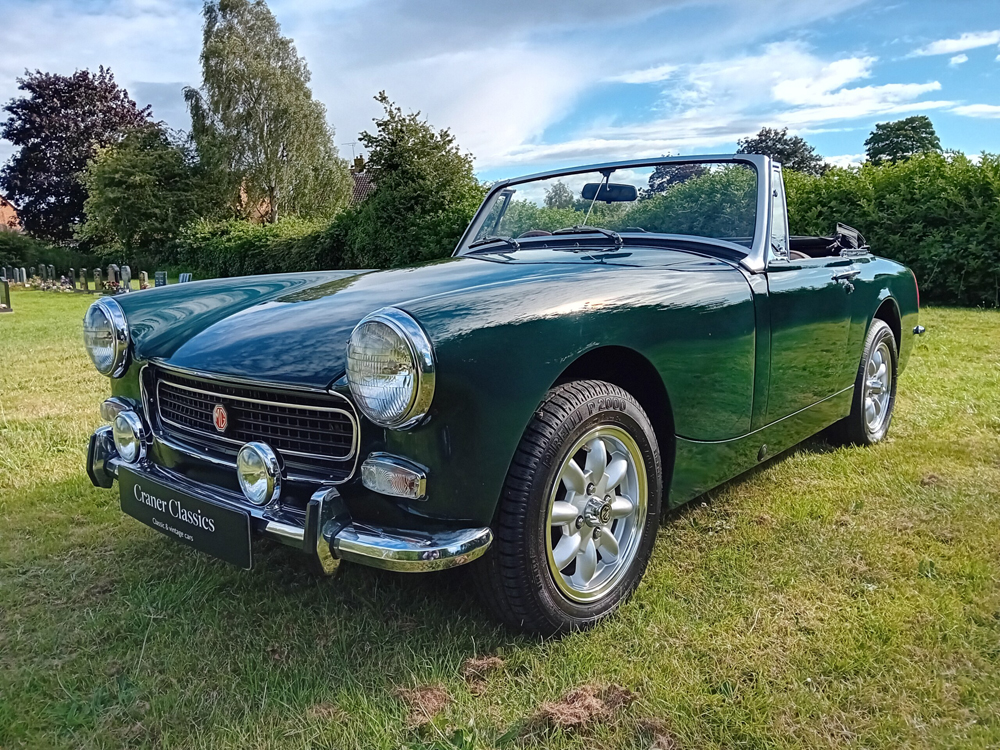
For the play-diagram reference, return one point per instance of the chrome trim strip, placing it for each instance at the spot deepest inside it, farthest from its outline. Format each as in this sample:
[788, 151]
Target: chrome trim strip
[286, 531]
[245, 381]
[223, 397]
[410, 551]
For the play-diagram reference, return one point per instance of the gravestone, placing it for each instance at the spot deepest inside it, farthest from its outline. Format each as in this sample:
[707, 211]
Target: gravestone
[6, 271]
[17, 275]
[51, 272]
[72, 279]
[160, 278]
[113, 272]
[143, 280]
[41, 273]
[98, 283]
[185, 277]
[31, 272]
[5, 296]
[84, 287]
[126, 281]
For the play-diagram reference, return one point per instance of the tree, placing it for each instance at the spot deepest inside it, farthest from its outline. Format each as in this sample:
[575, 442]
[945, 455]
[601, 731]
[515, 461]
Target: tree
[425, 193]
[791, 150]
[665, 176]
[559, 196]
[140, 192]
[57, 126]
[255, 117]
[893, 141]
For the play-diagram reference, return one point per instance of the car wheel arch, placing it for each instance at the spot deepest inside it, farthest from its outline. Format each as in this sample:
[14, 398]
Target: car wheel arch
[888, 312]
[633, 372]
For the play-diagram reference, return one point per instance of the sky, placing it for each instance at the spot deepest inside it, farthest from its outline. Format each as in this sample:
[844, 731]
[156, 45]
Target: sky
[528, 85]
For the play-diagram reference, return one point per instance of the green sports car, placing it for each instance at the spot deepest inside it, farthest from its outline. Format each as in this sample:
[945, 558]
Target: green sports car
[605, 342]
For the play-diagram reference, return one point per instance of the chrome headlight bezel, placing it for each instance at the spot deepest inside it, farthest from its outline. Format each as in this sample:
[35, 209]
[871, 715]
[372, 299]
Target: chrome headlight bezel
[114, 316]
[422, 359]
[129, 433]
[268, 463]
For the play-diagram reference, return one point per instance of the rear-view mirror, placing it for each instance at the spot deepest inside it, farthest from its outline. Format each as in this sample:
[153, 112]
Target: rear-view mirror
[610, 193]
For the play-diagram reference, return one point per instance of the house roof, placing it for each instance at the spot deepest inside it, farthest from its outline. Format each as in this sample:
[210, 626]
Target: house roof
[8, 215]
[364, 185]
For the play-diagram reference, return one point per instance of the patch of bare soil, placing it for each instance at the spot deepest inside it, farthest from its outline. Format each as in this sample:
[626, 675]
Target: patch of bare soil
[425, 702]
[585, 706]
[661, 736]
[329, 712]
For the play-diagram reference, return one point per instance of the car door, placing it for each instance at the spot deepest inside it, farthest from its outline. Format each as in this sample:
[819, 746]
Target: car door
[810, 316]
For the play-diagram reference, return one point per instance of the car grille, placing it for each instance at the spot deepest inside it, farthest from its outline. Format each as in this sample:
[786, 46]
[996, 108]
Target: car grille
[303, 427]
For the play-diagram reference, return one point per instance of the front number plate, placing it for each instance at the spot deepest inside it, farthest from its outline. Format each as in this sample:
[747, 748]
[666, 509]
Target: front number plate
[206, 526]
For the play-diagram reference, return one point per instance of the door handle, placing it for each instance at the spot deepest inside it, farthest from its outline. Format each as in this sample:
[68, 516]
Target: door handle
[846, 275]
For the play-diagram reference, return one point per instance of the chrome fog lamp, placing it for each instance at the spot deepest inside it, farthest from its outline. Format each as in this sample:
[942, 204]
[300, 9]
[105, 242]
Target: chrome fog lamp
[393, 476]
[390, 369]
[259, 473]
[130, 436]
[106, 337]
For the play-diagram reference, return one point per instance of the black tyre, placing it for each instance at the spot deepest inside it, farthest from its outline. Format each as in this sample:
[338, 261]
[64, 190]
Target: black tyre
[578, 516]
[874, 390]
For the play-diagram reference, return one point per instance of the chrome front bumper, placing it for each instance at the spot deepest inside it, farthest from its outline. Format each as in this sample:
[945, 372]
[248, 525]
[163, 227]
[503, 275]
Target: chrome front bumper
[326, 533]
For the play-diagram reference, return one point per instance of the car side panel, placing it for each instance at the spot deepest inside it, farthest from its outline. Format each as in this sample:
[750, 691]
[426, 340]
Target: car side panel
[881, 279]
[500, 349]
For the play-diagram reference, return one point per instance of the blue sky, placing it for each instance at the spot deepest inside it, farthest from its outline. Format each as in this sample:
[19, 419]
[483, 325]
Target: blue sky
[532, 85]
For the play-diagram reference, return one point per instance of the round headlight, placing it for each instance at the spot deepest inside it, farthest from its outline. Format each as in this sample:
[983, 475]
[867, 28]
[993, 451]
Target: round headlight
[130, 436]
[390, 368]
[259, 473]
[106, 336]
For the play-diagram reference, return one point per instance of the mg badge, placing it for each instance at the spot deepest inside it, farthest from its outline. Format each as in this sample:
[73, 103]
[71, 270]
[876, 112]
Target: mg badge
[220, 418]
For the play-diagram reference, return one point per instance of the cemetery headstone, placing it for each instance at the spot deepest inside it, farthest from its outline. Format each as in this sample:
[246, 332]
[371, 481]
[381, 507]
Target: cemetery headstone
[113, 274]
[6, 272]
[126, 281]
[17, 275]
[84, 287]
[72, 279]
[98, 283]
[143, 280]
[185, 277]
[41, 273]
[51, 272]
[31, 272]
[160, 278]
[5, 296]
[24, 276]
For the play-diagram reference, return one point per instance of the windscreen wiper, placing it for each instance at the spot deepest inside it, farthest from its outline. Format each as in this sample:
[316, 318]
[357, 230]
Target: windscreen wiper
[587, 228]
[496, 238]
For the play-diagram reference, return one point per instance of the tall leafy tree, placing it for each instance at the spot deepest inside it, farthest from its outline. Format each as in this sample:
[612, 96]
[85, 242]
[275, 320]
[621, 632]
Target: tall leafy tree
[559, 196]
[255, 116]
[425, 193]
[791, 150]
[141, 191]
[56, 126]
[665, 176]
[893, 141]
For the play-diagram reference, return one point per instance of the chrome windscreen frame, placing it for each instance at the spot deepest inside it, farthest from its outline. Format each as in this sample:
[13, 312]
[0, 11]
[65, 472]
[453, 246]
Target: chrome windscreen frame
[755, 257]
[193, 451]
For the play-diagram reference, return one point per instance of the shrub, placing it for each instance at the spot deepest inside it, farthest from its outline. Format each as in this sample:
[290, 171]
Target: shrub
[938, 214]
[21, 250]
[239, 248]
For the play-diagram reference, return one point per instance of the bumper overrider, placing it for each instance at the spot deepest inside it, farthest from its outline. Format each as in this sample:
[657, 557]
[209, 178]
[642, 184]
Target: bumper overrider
[221, 522]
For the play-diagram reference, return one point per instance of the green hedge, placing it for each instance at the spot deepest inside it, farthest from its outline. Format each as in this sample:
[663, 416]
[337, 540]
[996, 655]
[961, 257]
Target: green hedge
[239, 248]
[938, 214]
[20, 250]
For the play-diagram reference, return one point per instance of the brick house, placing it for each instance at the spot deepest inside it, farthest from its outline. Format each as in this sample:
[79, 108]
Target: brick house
[8, 216]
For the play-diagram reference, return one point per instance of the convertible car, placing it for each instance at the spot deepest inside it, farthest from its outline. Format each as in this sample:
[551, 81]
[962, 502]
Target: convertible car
[606, 342]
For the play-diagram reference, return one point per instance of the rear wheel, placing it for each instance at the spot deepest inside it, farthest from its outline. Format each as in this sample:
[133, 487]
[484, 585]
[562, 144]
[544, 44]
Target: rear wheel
[579, 511]
[874, 390]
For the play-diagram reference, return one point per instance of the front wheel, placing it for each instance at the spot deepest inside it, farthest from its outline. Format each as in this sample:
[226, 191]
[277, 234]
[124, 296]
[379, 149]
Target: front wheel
[579, 512]
[874, 390]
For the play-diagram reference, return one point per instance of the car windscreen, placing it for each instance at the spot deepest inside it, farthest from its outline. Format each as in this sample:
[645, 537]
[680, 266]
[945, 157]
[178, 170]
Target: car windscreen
[717, 200]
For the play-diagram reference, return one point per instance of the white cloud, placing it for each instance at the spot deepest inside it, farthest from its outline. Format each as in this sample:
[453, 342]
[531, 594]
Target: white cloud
[967, 41]
[715, 103]
[845, 160]
[647, 75]
[978, 110]
[958, 60]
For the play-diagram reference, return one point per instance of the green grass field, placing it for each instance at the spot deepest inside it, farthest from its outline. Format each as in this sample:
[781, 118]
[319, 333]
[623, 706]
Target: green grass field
[832, 598]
